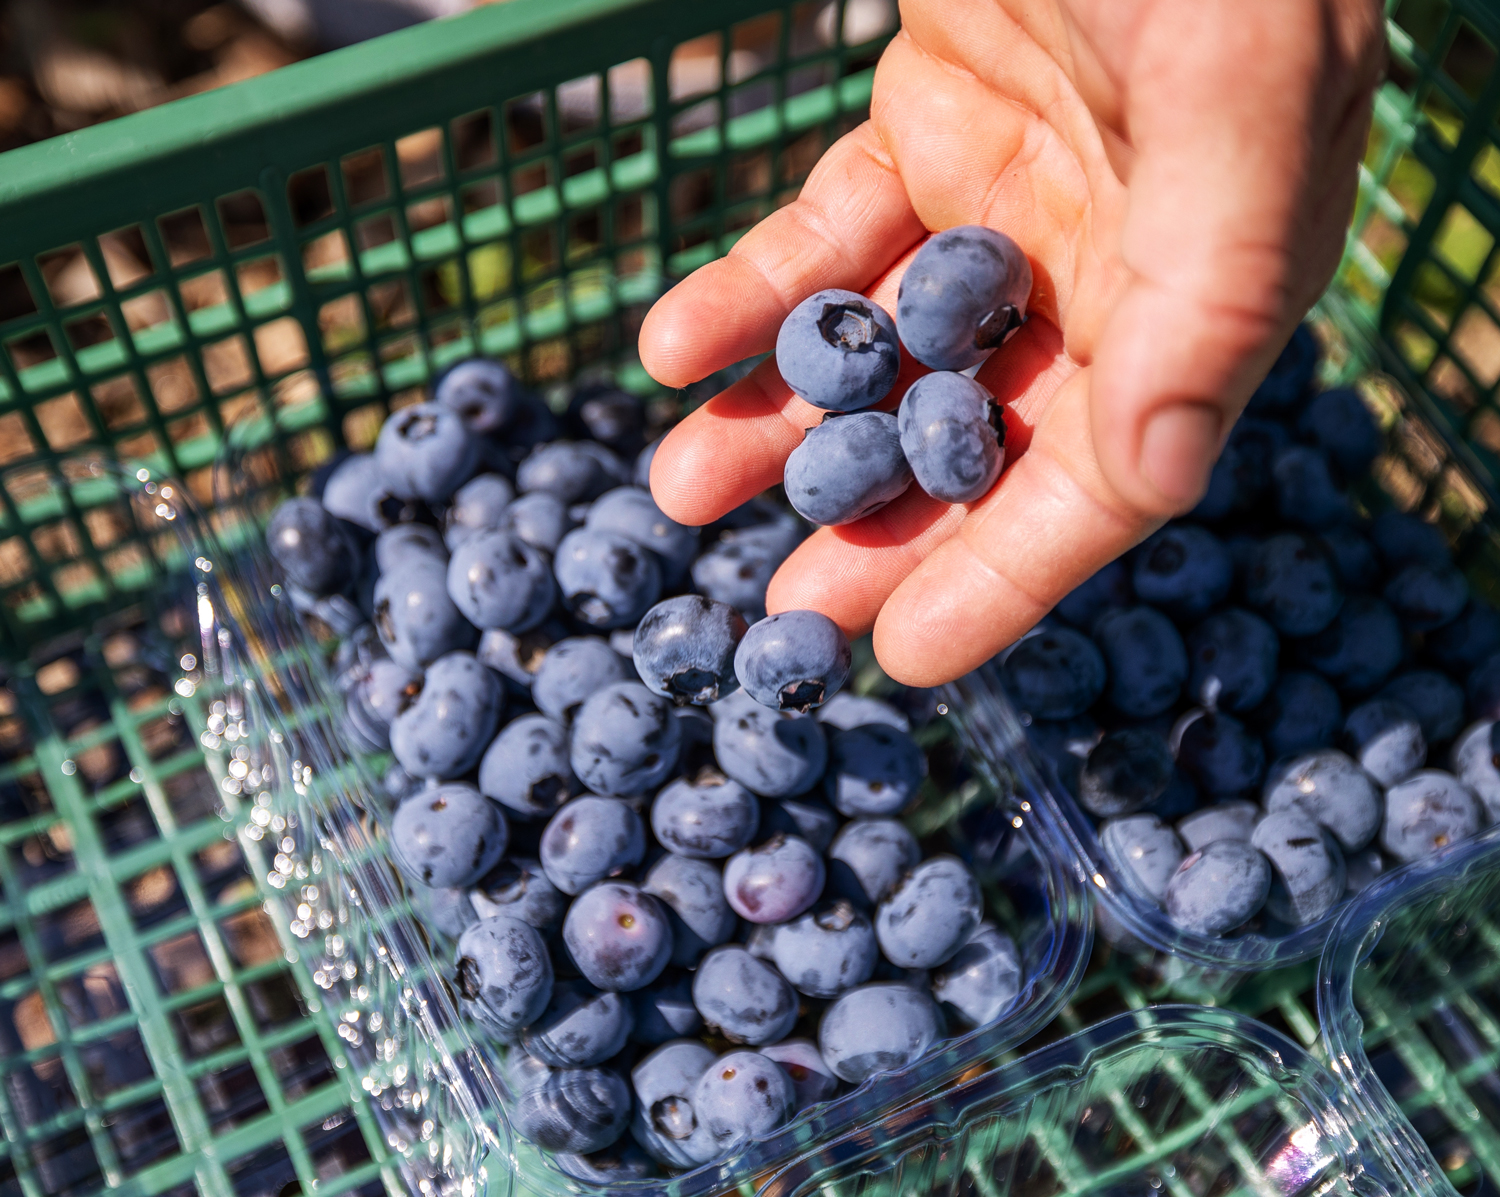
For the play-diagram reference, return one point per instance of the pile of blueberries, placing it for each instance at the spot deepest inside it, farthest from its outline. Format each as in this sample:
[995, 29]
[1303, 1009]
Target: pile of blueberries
[667, 845]
[1247, 702]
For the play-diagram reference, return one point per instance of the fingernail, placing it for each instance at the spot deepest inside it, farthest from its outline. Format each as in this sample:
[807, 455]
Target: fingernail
[1178, 450]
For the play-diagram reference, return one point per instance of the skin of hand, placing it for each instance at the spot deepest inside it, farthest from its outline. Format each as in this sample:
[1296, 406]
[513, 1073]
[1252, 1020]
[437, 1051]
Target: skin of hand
[1180, 174]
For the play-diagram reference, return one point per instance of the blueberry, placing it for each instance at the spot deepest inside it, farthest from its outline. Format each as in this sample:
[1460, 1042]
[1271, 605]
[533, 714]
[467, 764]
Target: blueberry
[631, 512]
[1307, 868]
[692, 892]
[826, 950]
[953, 436]
[746, 999]
[873, 770]
[410, 546]
[1253, 445]
[1333, 792]
[1476, 760]
[499, 581]
[575, 1110]
[684, 648]
[1427, 597]
[1306, 493]
[1386, 739]
[526, 768]
[625, 740]
[1218, 887]
[425, 452]
[1221, 756]
[384, 689]
[451, 835]
[1146, 659]
[1106, 590]
[1223, 493]
[1426, 812]
[1055, 674]
[868, 858]
[1353, 557]
[448, 911]
[640, 474]
[310, 547]
[539, 519]
[963, 295]
[519, 888]
[1233, 820]
[793, 661]
[589, 839]
[445, 731]
[812, 1080]
[1292, 584]
[1362, 870]
[1180, 798]
[1143, 851]
[573, 669]
[771, 753]
[1302, 714]
[1183, 569]
[810, 819]
[930, 914]
[845, 710]
[982, 980]
[1340, 423]
[416, 618]
[877, 1028]
[1461, 644]
[1061, 747]
[743, 1093]
[1233, 655]
[579, 1028]
[846, 468]
[738, 568]
[618, 936]
[665, 1122]
[1437, 702]
[357, 491]
[602, 412]
[838, 350]
[1125, 771]
[707, 816]
[1290, 376]
[606, 580]
[1482, 689]
[504, 970]
[1360, 649]
[573, 471]
[1403, 540]
[478, 506]
[484, 394]
[775, 881]
[664, 1010]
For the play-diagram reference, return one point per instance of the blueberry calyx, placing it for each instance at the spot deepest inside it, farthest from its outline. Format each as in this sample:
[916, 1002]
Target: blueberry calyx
[801, 696]
[674, 1117]
[418, 428]
[995, 416]
[998, 327]
[847, 326]
[468, 978]
[692, 687]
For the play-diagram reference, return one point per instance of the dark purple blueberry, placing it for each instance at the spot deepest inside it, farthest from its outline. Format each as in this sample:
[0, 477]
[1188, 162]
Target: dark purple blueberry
[775, 881]
[1183, 569]
[618, 936]
[1125, 771]
[1292, 584]
[1233, 655]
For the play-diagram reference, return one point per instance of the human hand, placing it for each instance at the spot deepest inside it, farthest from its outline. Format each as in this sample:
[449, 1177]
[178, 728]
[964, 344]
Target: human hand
[1180, 174]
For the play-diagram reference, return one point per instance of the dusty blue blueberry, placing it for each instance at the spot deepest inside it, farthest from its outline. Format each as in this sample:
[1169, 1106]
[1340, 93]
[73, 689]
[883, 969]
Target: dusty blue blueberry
[738, 567]
[1476, 760]
[573, 669]
[1061, 746]
[1106, 590]
[539, 519]
[930, 914]
[1290, 376]
[410, 546]
[504, 970]
[684, 648]
[311, 548]
[1218, 887]
[478, 506]
[398, 784]
[484, 393]
[1143, 851]
[665, 1123]
[1482, 689]
[1425, 597]
[1362, 870]
[448, 911]
[838, 350]
[1232, 820]
[383, 690]
[771, 753]
[982, 979]
[1333, 791]
[1125, 771]
[519, 888]
[631, 512]
[1303, 713]
[846, 468]
[1221, 755]
[877, 1028]
[692, 892]
[745, 998]
[526, 768]
[1307, 868]
[1183, 569]
[873, 770]
[589, 839]
[741, 1094]
[622, 1161]
[826, 950]
[1055, 674]
[606, 580]
[706, 816]
[1460, 645]
[793, 661]
[774, 881]
[1340, 423]
[812, 1080]
[1306, 494]
[845, 710]
[426, 452]
[664, 1010]
[1427, 812]
[1385, 737]
[1291, 582]
[601, 411]
[446, 730]
[357, 491]
[1436, 701]
[953, 435]
[1403, 539]
[449, 835]
[625, 740]
[1233, 655]
[640, 474]
[1146, 658]
[964, 294]
[580, 1027]
[618, 936]
[500, 581]
[804, 816]
[1360, 648]
[868, 858]
[575, 1110]
[573, 471]
[1353, 556]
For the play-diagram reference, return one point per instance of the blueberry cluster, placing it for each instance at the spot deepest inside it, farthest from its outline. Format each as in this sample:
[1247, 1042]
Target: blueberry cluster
[963, 295]
[1248, 702]
[645, 811]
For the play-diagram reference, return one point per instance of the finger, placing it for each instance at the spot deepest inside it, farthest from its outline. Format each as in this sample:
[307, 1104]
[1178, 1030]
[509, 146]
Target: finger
[850, 223]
